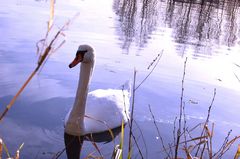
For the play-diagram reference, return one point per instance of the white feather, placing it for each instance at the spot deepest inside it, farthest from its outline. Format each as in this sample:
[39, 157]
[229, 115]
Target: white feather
[98, 110]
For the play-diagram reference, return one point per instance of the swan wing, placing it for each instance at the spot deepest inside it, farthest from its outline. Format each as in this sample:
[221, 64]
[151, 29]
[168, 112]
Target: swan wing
[105, 109]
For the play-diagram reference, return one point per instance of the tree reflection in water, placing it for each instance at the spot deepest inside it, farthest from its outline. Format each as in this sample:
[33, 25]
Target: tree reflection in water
[137, 20]
[198, 24]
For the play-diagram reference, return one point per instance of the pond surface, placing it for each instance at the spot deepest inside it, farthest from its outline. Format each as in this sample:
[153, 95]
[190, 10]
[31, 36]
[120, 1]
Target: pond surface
[126, 35]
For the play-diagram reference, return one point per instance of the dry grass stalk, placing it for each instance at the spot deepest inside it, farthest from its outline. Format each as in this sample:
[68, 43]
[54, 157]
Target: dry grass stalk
[105, 124]
[97, 148]
[237, 155]
[130, 128]
[189, 156]
[130, 122]
[50, 23]
[117, 153]
[1, 148]
[200, 145]
[93, 157]
[223, 145]
[227, 146]
[210, 136]
[17, 156]
[132, 111]
[48, 49]
[6, 149]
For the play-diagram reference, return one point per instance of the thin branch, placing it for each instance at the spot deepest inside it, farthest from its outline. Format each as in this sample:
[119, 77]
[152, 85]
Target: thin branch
[157, 59]
[237, 77]
[131, 120]
[207, 119]
[180, 113]
[132, 111]
[174, 130]
[144, 141]
[158, 131]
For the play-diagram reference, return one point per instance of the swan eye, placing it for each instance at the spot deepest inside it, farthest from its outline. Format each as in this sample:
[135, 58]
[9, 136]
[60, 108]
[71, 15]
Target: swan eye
[81, 52]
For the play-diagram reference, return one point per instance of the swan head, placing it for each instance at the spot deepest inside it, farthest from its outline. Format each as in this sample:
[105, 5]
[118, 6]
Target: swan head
[84, 54]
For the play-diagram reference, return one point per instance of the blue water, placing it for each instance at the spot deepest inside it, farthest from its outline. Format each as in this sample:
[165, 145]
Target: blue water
[122, 44]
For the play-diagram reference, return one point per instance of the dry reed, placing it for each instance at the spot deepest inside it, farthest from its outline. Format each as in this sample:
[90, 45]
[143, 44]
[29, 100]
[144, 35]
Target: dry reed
[47, 50]
[132, 111]
[1, 148]
[50, 22]
[237, 155]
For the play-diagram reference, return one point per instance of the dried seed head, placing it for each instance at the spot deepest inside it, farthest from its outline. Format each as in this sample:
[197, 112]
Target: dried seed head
[17, 154]
[1, 147]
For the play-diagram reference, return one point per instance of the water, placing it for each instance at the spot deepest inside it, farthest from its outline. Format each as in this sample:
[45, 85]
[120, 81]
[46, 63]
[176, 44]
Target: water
[125, 36]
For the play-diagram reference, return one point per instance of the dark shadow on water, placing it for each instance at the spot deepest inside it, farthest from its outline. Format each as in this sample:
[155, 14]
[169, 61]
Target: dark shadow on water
[37, 124]
[41, 122]
[103, 136]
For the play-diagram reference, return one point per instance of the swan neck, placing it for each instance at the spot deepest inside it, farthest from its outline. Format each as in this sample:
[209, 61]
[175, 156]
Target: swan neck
[83, 83]
[75, 124]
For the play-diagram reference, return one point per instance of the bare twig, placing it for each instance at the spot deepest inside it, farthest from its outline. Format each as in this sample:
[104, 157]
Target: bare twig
[174, 130]
[157, 59]
[132, 111]
[223, 145]
[237, 65]
[130, 123]
[228, 145]
[138, 147]
[131, 120]
[142, 136]
[180, 113]
[185, 127]
[160, 136]
[206, 121]
[237, 77]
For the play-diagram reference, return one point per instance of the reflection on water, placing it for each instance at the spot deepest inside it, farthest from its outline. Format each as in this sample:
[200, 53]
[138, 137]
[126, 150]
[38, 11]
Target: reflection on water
[136, 25]
[198, 24]
[199, 27]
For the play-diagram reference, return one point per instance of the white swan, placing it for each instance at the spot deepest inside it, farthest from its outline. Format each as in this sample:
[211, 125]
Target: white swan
[91, 110]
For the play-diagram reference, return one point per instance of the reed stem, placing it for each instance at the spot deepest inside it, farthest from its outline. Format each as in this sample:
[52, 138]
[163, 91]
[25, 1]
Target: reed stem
[180, 112]
[132, 112]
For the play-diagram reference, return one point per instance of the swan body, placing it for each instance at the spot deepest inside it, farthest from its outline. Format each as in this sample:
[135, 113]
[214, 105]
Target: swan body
[99, 110]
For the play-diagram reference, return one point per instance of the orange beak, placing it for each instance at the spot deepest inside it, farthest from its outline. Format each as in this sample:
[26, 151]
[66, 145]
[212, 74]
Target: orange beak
[76, 61]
